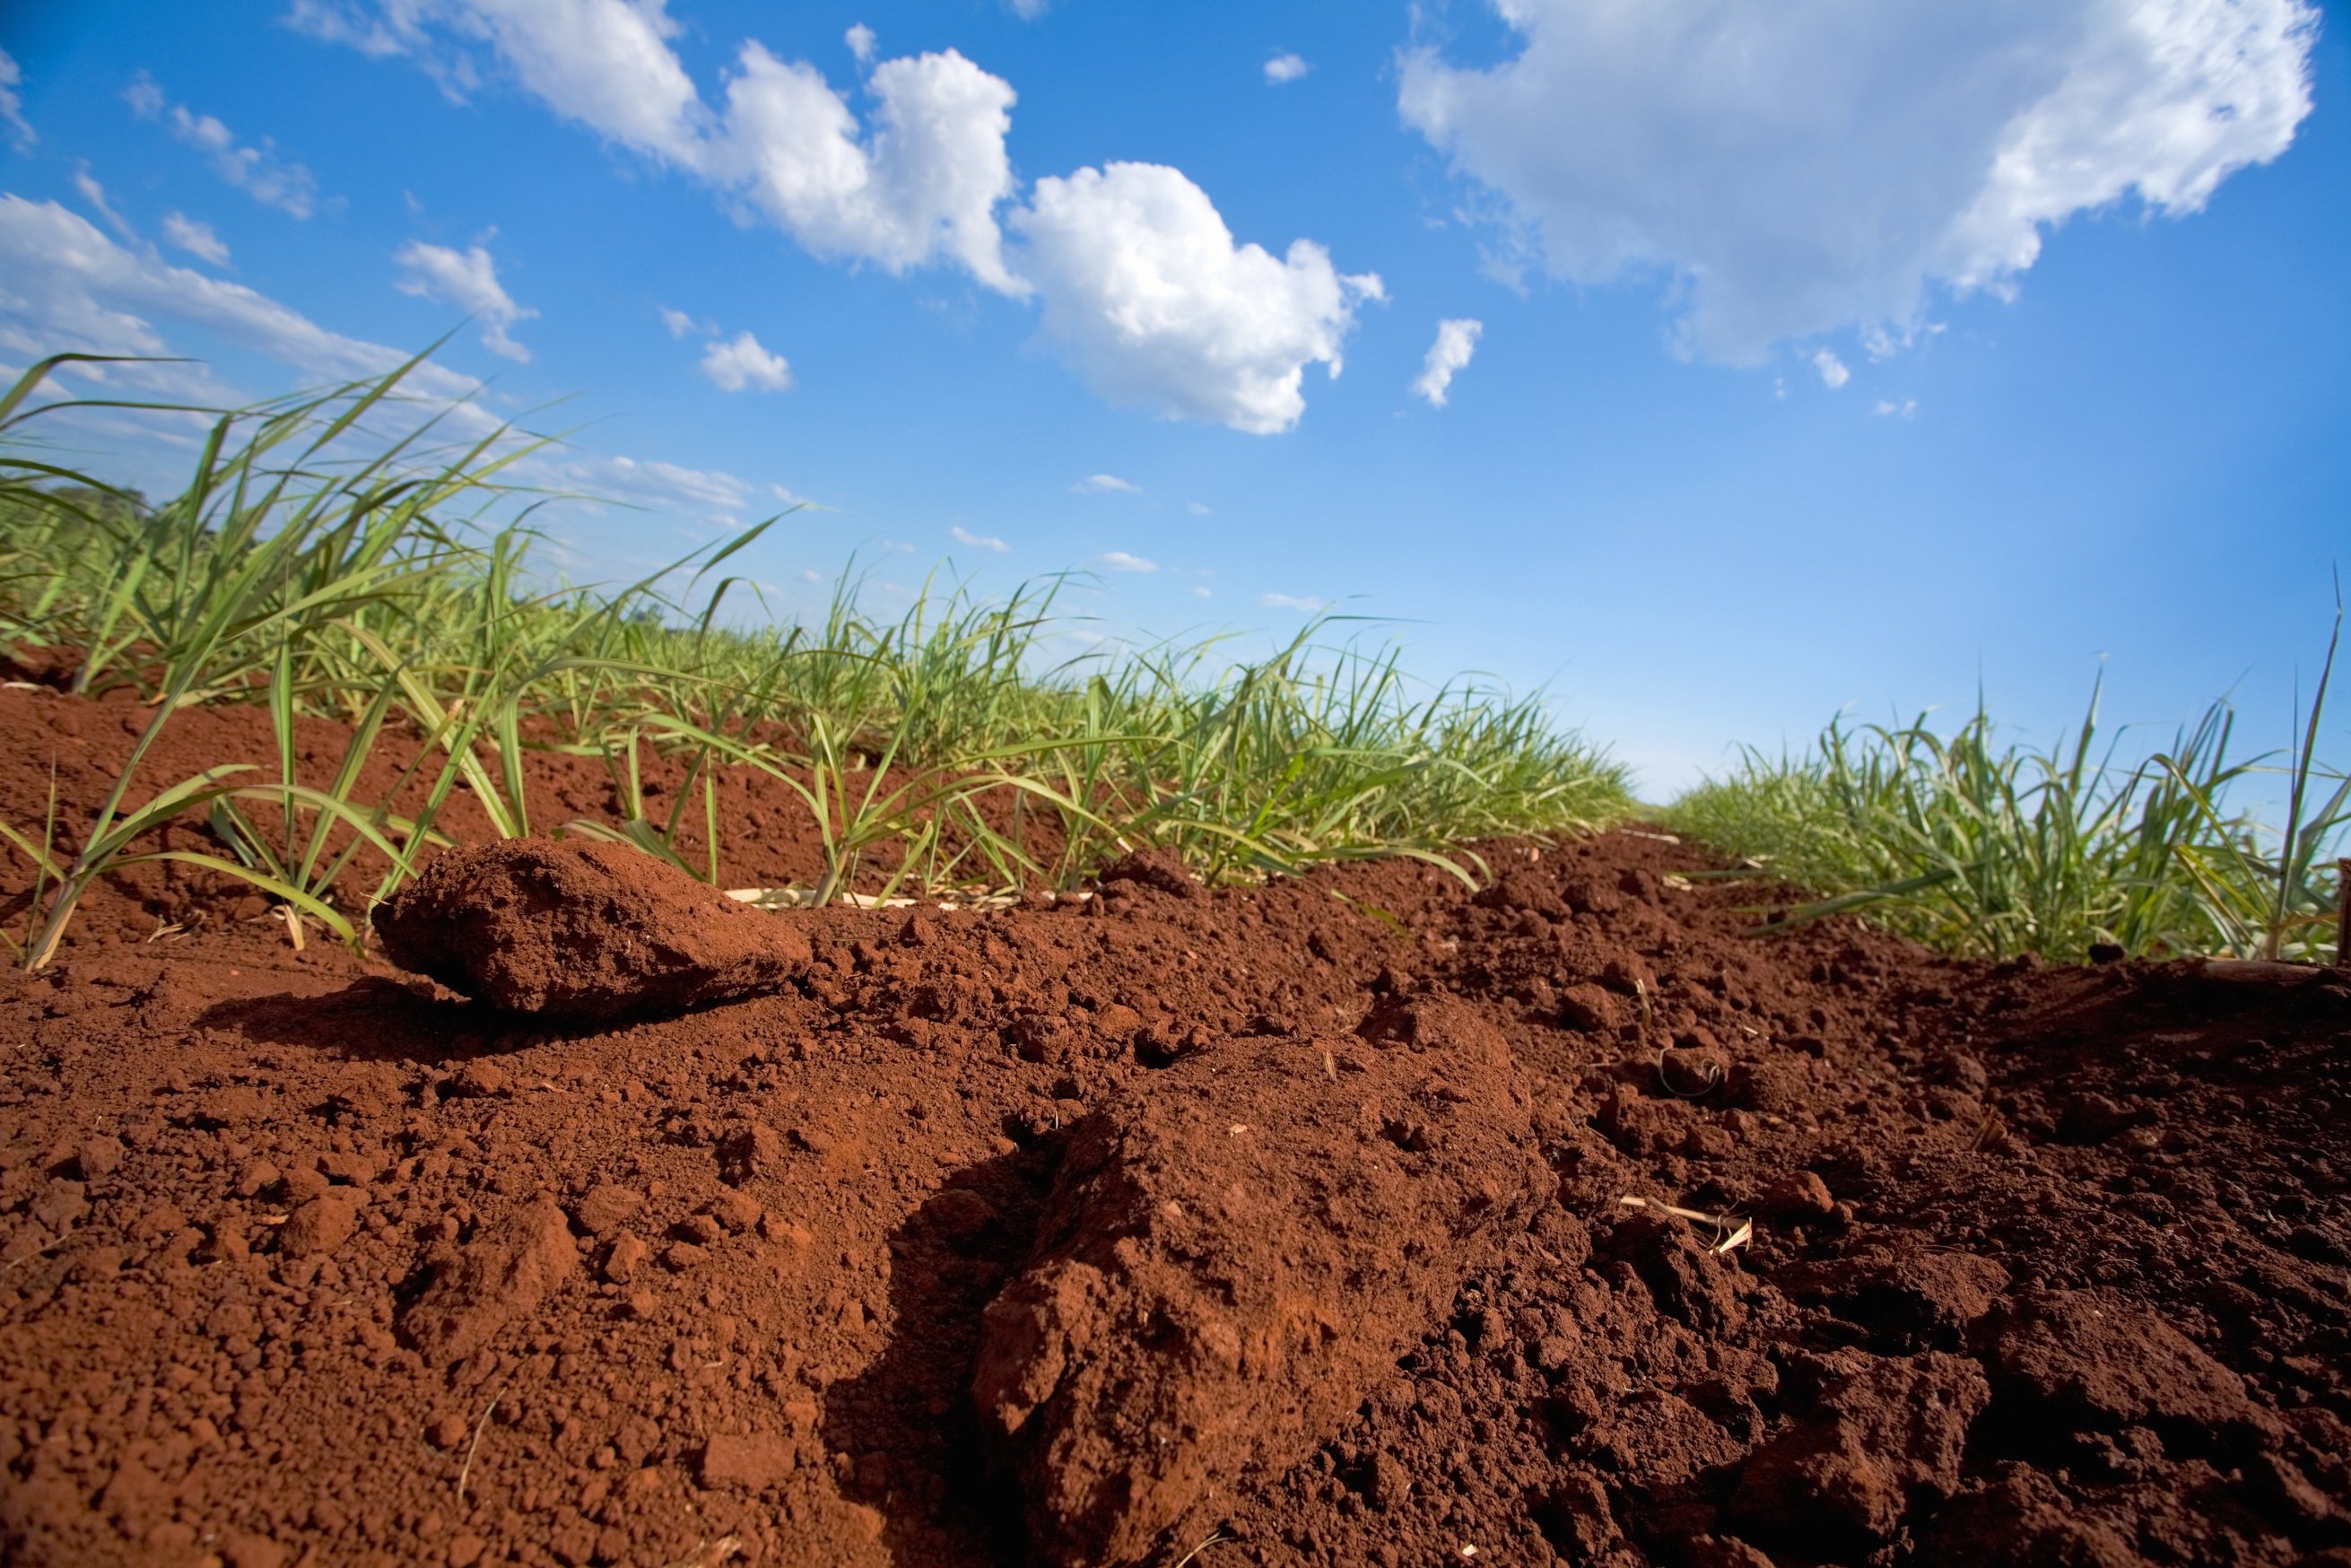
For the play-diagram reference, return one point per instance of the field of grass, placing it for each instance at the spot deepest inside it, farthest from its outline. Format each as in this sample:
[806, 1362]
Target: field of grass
[317, 566]
[1989, 849]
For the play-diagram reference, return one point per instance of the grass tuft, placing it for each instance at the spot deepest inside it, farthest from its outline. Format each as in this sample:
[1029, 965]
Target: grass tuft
[1991, 850]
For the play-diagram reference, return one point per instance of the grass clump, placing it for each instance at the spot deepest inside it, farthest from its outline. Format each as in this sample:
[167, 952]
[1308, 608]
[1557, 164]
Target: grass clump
[1982, 848]
[324, 569]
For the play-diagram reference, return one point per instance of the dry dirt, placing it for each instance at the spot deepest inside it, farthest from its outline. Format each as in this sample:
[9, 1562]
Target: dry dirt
[1096, 1229]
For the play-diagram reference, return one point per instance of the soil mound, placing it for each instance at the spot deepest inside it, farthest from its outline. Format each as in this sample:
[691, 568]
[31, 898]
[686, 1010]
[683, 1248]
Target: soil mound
[1232, 1257]
[583, 931]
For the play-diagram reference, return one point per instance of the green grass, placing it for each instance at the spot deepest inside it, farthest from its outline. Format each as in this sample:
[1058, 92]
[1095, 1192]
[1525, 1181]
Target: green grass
[1982, 848]
[316, 567]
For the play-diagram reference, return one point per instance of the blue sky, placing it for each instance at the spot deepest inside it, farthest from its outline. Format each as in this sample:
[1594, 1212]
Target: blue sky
[1839, 354]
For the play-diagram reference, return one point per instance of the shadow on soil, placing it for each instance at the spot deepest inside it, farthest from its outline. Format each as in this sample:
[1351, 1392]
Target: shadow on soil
[376, 1019]
[907, 1422]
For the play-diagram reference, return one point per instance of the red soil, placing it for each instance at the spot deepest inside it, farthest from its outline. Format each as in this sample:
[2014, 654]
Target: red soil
[1093, 1229]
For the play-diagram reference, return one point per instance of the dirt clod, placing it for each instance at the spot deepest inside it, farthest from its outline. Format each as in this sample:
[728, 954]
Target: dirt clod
[583, 931]
[502, 1277]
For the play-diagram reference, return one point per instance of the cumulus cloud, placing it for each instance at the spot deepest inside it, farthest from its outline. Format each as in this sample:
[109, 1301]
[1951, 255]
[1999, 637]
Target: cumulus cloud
[1102, 484]
[923, 186]
[198, 239]
[920, 184]
[1455, 341]
[964, 536]
[1152, 303]
[679, 324]
[1796, 172]
[469, 280]
[1284, 68]
[859, 39]
[1833, 371]
[1119, 560]
[16, 130]
[1144, 290]
[257, 171]
[1305, 602]
[741, 362]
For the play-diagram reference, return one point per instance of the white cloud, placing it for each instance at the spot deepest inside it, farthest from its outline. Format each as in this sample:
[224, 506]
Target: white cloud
[198, 239]
[1198, 508]
[790, 497]
[920, 186]
[742, 363]
[1796, 172]
[923, 186]
[1144, 290]
[653, 483]
[469, 280]
[95, 195]
[258, 172]
[18, 130]
[679, 323]
[1149, 298]
[1199, 591]
[1119, 560]
[70, 287]
[964, 536]
[1449, 354]
[1833, 371]
[1906, 409]
[1293, 601]
[859, 39]
[1103, 483]
[1284, 68]
[1030, 10]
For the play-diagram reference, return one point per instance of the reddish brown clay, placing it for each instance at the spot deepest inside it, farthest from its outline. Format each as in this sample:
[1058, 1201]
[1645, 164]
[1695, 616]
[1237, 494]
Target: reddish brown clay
[1233, 1252]
[584, 931]
[304, 1261]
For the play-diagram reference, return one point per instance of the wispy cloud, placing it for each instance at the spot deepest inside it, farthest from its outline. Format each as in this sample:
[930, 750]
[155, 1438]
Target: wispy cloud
[198, 239]
[95, 195]
[964, 536]
[1888, 408]
[1285, 68]
[1105, 484]
[859, 39]
[1305, 602]
[469, 280]
[1119, 560]
[1833, 371]
[257, 171]
[1198, 508]
[18, 130]
[679, 324]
